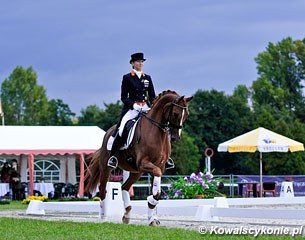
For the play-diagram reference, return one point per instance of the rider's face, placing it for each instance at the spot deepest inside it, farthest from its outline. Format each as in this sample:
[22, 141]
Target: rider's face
[138, 65]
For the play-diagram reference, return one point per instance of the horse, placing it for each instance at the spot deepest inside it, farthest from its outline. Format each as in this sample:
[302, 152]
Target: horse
[149, 151]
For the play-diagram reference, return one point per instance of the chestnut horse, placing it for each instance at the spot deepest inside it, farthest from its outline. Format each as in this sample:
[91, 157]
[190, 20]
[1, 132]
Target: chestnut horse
[148, 153]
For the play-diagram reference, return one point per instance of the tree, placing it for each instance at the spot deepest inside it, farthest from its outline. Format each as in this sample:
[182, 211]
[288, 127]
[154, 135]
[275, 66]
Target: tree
[278, 101]
[24, 101]
[90, 116]
[59, 113]
[215, 118]
[104, 118]
[110, 115]
[281, 70]
[186, 156]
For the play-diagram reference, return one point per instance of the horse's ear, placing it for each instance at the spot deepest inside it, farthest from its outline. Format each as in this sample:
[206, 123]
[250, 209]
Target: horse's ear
[180, 98]
[187, 100]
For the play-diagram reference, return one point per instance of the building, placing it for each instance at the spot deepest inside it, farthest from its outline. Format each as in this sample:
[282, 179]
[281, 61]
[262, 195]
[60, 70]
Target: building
[50, 152]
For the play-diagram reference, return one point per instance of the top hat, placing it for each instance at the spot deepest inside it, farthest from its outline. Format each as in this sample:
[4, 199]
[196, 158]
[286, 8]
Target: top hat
[136, 57]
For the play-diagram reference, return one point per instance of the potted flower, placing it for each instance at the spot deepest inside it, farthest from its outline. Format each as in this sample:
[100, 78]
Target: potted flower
[200, 185]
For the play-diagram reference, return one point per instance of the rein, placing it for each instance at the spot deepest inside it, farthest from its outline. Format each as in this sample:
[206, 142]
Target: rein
[165, 127]
[162, 126]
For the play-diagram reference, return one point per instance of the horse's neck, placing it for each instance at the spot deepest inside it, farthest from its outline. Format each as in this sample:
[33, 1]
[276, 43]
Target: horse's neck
[156, 113]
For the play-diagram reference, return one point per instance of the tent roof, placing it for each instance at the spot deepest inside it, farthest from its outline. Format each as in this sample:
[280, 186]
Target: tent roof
[50, 139]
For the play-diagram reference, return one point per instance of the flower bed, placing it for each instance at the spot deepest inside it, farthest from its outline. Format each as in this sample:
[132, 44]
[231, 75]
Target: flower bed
[40, 198]
[200, 185]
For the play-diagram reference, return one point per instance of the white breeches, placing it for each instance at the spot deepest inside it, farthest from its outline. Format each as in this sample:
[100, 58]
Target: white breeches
[130, 115]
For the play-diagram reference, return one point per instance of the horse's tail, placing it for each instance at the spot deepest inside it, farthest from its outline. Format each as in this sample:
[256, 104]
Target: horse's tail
[92, 176]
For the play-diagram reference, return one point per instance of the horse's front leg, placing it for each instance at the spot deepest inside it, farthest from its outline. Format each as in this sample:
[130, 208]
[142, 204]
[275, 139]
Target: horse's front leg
[153, 199]
[128, 181]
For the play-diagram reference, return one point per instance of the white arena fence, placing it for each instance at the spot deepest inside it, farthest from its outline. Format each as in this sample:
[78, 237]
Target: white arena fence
[196, 209]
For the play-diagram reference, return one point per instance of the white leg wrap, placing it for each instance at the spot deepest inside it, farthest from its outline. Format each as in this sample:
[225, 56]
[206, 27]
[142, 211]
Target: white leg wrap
[152, 213]
[102, 209]
[126, 198]
[152, 201]
[156, 185]
[125, 176]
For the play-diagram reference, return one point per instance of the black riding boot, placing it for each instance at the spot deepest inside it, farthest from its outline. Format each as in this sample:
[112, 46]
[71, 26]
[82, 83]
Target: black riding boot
[113, 161]
[169, 164]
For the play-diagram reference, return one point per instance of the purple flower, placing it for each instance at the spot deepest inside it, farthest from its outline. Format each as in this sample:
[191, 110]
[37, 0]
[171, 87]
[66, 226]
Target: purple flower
[193, 176]
[200, 181]
[208, 175]
[177, 193]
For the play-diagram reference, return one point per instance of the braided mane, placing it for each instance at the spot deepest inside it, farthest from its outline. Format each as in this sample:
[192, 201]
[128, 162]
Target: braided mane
[164, 93]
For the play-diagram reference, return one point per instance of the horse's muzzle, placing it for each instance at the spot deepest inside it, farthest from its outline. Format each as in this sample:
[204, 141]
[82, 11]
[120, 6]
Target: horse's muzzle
[175, 139]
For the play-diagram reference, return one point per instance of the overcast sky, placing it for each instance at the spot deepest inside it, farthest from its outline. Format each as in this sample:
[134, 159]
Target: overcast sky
[81, 48]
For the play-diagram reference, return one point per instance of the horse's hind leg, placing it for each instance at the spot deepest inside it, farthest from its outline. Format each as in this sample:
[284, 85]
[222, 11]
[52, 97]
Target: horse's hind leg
[133, 177]
[102, 188]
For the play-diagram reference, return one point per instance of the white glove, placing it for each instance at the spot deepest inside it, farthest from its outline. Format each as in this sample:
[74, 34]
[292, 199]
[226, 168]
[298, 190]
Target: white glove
[137, 107]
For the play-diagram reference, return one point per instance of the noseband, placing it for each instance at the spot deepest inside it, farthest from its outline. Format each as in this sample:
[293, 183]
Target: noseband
[170, 124]
[165, 127]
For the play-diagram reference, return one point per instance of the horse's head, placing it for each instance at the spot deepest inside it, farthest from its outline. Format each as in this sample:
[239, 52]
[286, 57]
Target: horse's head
[169, 111]
[175, 114]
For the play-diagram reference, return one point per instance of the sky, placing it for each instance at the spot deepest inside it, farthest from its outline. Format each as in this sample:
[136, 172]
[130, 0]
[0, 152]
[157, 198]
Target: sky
[80, 49]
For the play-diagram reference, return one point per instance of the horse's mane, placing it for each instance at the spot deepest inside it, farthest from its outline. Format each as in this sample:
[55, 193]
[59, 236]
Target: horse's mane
[165, 92]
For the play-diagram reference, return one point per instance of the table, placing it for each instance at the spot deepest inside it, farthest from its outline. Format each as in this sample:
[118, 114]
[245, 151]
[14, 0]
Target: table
[44, 188]
[4, 189]
[241, 188]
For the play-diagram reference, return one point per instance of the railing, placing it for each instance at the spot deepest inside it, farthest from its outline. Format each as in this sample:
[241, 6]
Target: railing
[230, 183]
[142, 186]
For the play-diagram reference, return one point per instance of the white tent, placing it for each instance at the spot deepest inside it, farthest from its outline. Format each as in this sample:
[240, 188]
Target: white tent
[68, 142]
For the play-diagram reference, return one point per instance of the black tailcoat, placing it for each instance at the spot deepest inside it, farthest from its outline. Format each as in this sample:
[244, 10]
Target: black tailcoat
[134, 90]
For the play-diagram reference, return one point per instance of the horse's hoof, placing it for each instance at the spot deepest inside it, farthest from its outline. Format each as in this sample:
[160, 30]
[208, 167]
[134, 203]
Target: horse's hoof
[154, 223]
[126, 220]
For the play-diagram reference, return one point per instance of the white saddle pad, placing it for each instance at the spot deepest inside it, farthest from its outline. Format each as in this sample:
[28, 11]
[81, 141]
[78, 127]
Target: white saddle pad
[129, 138]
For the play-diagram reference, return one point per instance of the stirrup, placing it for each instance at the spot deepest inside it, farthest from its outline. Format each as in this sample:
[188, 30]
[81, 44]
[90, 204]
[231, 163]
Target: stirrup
[169, 164]
[112, 162]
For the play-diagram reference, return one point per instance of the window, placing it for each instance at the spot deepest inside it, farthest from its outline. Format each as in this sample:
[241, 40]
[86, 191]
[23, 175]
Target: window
[47, 170]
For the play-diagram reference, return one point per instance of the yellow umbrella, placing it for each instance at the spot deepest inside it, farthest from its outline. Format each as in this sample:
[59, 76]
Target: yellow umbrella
[262, 140]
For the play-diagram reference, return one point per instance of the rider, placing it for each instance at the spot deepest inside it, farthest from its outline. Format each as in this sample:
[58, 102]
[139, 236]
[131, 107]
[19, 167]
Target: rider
[137, 94]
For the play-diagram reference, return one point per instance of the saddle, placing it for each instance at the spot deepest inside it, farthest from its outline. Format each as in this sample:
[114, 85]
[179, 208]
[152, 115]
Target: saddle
[127, 135]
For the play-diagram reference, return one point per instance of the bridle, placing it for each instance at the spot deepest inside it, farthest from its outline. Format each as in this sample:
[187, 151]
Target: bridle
[169, 125]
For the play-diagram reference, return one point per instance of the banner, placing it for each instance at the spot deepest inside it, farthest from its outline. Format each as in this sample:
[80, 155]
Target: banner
[297, 180]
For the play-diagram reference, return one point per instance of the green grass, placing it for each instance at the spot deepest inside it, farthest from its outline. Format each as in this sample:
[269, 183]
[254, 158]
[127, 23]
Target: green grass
[11, 228]
[38, 229]
[14, 205]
